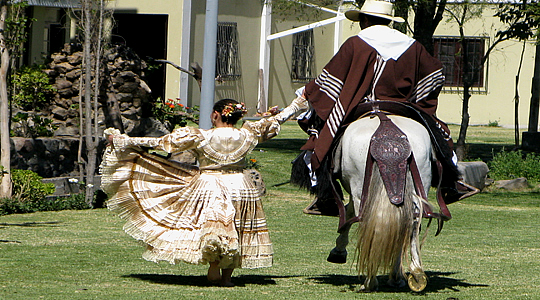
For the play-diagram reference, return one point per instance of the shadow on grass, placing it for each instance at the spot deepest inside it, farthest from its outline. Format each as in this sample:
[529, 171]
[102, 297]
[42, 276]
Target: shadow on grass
[31, 224]
[290, 145]
[485, 152]
[241, 280]
[437, 281]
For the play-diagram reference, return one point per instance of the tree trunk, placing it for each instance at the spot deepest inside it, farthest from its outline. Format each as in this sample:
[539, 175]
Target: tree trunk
[5, 156]
[427, 15]
[467, 79]
[89, 136]
[461, 150]
[516, 98]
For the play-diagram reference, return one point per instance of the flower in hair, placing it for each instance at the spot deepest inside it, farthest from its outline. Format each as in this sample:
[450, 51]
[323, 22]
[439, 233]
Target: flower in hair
[231, 108]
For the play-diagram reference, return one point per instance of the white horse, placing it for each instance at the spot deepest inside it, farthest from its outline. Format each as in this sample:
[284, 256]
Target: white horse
[386, 231]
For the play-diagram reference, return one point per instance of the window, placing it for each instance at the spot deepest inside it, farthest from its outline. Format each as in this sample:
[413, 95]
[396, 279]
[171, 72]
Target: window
[227, 58]
[302, 56]
[448, 50]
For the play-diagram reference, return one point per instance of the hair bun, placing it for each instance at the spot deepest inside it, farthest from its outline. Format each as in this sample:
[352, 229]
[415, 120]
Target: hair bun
[234, 108]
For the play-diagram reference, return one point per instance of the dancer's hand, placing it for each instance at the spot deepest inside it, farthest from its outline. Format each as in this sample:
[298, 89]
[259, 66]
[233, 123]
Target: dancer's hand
[110, 139]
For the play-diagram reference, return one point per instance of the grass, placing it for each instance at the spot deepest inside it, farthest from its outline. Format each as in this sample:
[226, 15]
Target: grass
[489, 250]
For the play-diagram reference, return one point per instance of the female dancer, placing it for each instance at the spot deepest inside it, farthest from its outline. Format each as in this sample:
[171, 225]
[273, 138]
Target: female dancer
[206, 214]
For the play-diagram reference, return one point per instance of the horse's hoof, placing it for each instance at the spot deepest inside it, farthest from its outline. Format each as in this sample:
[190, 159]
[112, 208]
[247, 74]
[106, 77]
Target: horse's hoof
[337, 257]
[397, 283]
[364, 289]
[417, 281]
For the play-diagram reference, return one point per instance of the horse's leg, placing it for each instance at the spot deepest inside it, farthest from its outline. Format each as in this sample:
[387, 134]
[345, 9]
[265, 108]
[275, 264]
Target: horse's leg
[370, 284]
[396, 278]
[338, 255]
[417, 278]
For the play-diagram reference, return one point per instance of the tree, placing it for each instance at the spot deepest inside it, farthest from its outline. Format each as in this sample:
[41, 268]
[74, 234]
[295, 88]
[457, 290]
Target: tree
[527, 18]
[5, 148]
[91, 22]
[461, 13]
[427, 16]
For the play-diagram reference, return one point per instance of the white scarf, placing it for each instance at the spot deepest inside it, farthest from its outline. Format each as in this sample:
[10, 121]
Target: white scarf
[388, 42]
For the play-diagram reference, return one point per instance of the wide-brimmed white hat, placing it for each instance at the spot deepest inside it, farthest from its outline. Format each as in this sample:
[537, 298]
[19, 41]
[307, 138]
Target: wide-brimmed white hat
[381, 9]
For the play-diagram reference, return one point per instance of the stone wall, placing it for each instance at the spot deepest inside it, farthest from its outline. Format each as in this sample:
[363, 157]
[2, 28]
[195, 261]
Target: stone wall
[49, 157]
[123, 91]
[124, 97]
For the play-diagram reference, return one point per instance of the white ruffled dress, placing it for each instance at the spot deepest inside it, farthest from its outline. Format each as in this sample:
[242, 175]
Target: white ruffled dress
[197, 215]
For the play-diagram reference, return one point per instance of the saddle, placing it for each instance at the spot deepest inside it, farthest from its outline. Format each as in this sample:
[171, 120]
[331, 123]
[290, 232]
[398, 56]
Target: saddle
[390, 148]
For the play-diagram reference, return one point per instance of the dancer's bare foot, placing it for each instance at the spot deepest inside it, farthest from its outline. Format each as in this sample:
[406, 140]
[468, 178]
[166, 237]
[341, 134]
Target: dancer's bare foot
[226, 278]
[214, 275]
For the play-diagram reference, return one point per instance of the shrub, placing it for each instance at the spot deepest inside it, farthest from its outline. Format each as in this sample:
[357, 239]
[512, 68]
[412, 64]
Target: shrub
[27, 186]
[75, 201]
[30, 195]
[31, 88]
[514, 164]
[32, 126]
[28, 191]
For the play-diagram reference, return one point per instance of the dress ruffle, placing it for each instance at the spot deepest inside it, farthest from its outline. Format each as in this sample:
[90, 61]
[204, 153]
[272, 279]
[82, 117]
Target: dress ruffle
[184, 214]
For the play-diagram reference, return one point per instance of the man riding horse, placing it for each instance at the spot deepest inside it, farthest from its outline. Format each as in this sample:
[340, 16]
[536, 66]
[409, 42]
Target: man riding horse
[379, 63]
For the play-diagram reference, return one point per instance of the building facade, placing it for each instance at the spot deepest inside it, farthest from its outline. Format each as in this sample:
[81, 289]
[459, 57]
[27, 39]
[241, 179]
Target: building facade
[263, 58]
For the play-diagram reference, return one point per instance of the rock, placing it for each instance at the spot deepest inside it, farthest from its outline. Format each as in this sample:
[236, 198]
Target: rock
[124, 97]
[136, 102]
[62, 83]
[145, 87]
[66, 93]
[73, 74]
[128, 87]
[58, 58]
[513, 184]
[63, 67]
[128, 75]
[117, 81]
[148, 127]
[131, 113]
[75, 58]
[50, 72]
[18, 143]
[63, 103]
[64, 130]
[474, 173]
[60, 113]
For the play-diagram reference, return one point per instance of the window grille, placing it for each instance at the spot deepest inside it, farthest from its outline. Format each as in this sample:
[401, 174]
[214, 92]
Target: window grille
[448, 50]
[227, 58]
[303, 55]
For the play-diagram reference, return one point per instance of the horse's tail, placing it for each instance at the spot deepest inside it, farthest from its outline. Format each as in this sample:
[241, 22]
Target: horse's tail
[385, 229]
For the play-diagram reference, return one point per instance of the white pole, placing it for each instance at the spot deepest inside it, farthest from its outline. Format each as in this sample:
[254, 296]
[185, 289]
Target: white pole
[209, 64]
[305, 27]
[264, 56]
[184, 56]
[338, 28]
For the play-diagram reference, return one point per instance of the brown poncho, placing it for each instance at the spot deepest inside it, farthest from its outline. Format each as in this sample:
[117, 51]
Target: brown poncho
[358, 73]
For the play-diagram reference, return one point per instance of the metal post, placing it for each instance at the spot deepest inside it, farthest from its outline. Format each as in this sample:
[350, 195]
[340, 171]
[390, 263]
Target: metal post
[535, 93]
[209, 64]
[530, 140]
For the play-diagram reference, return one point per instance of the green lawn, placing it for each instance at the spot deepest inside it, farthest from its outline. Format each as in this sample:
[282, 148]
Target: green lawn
[489, 250]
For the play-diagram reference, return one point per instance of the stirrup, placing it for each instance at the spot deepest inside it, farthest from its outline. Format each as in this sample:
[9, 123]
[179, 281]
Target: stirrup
[462, 191]
[314, 209]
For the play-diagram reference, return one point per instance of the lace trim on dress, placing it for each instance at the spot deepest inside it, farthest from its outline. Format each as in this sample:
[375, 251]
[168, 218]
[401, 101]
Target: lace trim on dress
[235, 156]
